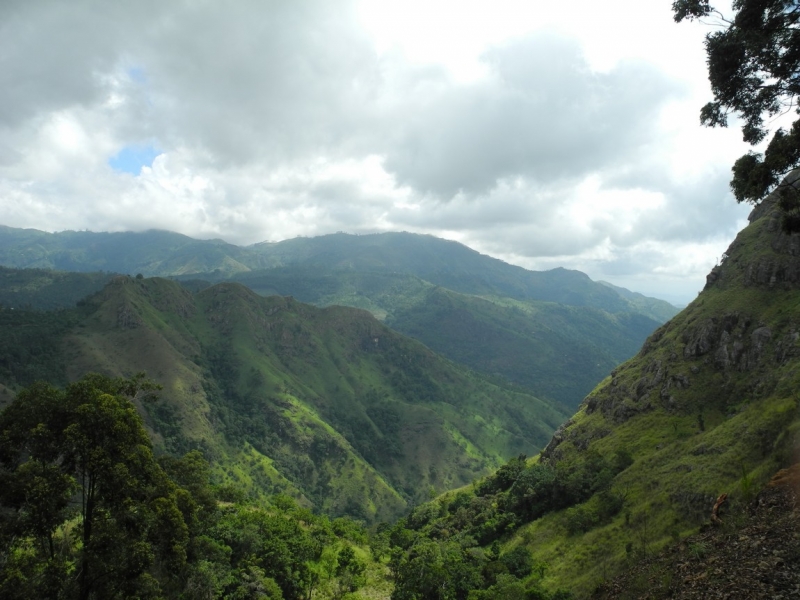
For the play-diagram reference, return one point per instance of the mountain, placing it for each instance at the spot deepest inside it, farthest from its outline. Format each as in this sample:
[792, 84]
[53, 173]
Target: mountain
[45, 289]
[328, 405]
[709, 406]
[151, 252]
[557, 351]
[451, 265]
[554, 332]
[441, 262]
[659, 310]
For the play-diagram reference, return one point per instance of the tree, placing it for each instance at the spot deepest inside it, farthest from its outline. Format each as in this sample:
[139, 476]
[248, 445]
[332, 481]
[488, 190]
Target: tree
[436, 571]
[83, 454]
[754, 71]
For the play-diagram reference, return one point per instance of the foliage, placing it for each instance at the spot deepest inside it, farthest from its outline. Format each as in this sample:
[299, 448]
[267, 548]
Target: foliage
[284, 397]
[88, 512]
[30, 346]
[84, 454]
[753, 64]
[43, 289]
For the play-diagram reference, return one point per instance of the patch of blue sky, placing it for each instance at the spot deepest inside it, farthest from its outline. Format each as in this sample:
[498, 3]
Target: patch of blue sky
[137, 74]
[132, 158]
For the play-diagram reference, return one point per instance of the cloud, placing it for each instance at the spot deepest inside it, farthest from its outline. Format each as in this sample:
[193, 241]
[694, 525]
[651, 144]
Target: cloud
[272, 119]
[542, 114]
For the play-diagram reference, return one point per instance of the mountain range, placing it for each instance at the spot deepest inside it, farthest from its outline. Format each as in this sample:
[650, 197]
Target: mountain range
[332, 406]
[527, 327]
[329, 405]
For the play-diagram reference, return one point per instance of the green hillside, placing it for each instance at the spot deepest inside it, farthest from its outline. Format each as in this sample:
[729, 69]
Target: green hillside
[555, 332]
[45, 289]
[441, 262]
[151, 252]
[555, 350]
[708, 406]
[328, 405]
[558, 351]
[454, 266]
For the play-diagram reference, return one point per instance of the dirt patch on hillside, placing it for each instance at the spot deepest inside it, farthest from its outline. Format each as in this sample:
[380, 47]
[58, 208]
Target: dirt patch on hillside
[750, 556]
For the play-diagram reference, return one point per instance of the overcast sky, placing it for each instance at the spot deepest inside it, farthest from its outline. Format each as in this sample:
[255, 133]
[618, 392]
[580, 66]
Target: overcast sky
[543, 133]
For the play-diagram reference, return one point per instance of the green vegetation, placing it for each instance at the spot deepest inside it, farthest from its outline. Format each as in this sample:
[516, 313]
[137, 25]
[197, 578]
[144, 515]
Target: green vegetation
[557, 351]
[556, 333]
[89, 512]
[30, 346]
[708, 406]
[42, 289]
[303, 409]
[753, 61]
[151, 252]
[326, 405]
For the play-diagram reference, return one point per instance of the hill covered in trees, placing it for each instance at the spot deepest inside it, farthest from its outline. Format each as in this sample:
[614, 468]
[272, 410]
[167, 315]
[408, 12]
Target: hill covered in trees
[554, 332]
[327, 405]
[709, 406]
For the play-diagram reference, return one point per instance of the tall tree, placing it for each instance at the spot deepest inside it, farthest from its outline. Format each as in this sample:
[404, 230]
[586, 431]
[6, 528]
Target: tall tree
[754, 70]
[83, 452]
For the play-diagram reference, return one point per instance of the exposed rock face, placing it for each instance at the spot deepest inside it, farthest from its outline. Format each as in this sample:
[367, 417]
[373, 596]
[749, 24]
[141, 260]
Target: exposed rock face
[700, 343]
[782, 269]
[127, 317]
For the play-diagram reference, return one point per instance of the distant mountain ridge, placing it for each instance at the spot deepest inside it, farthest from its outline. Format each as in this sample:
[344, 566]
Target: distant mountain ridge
[442, 262]
[555, 332]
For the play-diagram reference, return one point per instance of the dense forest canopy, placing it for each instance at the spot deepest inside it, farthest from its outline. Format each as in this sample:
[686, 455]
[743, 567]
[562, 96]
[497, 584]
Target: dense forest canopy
[88, 511]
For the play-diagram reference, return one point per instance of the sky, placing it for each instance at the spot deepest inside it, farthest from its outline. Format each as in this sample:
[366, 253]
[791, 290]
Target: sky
[545, 134]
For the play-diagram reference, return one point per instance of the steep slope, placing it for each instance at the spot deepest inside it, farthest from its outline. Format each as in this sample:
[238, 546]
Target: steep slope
[756, 557]
[556, 351]
[708, 406]
[327, 404]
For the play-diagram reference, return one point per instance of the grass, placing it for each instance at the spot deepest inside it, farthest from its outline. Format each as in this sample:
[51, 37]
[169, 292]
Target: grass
[708, 406]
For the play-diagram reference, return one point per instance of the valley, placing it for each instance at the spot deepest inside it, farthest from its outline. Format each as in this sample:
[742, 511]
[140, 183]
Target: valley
[332, 406]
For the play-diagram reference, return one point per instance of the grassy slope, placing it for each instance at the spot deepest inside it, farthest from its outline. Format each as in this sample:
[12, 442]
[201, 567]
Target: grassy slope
[327, 404]
[652, 405]
[539, 345]
[710, 405]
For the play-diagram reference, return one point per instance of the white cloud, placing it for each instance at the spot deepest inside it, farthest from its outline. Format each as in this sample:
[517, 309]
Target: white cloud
[550, 135]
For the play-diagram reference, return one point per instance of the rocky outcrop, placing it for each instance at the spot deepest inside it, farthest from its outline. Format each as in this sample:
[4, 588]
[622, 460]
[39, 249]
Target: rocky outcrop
[127, 317]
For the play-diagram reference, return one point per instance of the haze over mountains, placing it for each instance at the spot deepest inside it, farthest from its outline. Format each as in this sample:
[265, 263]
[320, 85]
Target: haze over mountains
[555, 332]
